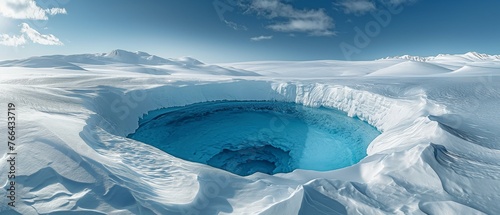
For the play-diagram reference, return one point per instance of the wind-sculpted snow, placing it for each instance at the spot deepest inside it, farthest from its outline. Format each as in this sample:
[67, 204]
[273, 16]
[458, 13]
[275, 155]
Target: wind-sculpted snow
[41, 62]
[437, 152]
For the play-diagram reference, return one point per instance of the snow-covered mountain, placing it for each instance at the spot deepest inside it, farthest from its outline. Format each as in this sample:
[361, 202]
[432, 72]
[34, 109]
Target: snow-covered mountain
[138, 57]
[138, 62]
[115, 56]
[410, 57]
[469, 56]
[437, 152]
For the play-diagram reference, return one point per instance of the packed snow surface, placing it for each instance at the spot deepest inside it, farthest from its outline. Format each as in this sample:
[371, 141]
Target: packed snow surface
[438, 151]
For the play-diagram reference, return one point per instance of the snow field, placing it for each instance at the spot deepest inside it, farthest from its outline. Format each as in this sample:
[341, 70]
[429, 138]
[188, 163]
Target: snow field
[437, 153]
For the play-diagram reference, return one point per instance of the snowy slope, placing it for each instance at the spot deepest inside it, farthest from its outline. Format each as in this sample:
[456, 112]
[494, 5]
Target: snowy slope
[410, 68]
[438, 152]
[121, 60]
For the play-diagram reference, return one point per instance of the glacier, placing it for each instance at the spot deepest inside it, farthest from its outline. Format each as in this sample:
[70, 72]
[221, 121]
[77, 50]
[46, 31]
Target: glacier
[437, 152]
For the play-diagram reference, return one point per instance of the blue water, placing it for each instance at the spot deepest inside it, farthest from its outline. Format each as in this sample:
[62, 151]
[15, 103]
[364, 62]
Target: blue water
[244, 137]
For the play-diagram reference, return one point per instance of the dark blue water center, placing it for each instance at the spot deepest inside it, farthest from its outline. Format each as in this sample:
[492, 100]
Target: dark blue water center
[244, 137]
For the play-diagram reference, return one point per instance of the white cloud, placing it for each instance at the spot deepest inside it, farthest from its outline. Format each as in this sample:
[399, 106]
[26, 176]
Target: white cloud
[314, 22]
[314, 27]
[36, 37]
[259, 38]
[31, 34]
[26, 9]
[357, 7]
[8, 40]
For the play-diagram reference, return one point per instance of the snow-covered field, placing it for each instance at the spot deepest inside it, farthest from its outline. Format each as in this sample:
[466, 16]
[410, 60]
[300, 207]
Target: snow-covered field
[438, 151]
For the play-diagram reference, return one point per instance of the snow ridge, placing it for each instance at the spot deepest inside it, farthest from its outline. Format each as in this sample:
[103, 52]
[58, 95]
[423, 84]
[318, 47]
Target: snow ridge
[112, 57]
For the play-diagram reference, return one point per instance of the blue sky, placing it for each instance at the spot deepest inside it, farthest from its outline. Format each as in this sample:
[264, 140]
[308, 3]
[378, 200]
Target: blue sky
[229, 30]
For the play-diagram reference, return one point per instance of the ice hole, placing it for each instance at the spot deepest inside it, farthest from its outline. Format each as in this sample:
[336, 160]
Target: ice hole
[244, 137]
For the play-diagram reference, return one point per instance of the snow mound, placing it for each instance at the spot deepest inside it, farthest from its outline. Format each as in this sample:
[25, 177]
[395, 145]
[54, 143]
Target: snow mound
[311, 69]
[410, 68]
[478, 69]
[188, 61]
[138, 57]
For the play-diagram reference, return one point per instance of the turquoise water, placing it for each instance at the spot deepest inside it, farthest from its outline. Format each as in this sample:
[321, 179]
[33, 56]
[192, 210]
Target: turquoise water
[244, 137]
